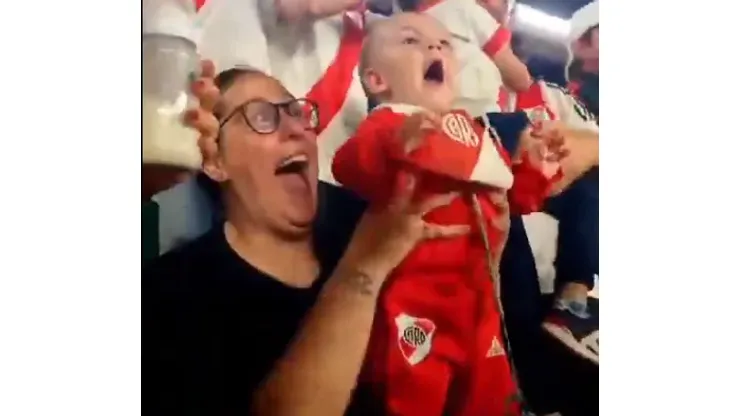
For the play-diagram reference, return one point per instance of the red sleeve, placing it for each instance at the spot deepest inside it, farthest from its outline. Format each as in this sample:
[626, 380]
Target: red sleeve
[501, 37]
[531, 187]
[364, 162]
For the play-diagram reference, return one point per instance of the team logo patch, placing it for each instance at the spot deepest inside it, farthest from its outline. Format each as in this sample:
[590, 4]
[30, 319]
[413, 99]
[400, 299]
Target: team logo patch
[414, 337]
[458, 128]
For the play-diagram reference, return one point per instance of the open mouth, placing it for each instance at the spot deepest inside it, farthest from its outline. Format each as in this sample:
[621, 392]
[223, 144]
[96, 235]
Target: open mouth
[294, 164]
[435, 72]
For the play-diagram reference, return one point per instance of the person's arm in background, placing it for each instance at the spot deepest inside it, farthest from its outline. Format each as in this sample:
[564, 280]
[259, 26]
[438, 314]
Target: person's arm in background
[295, 10]
[514, 72]
[478, 22]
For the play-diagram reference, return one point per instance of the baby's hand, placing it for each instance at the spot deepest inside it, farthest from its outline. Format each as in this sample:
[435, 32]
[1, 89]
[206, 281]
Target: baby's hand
[544, 146]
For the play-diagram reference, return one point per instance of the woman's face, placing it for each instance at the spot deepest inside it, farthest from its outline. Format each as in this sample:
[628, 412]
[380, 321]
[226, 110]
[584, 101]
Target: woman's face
[274, 176]
[589, 45]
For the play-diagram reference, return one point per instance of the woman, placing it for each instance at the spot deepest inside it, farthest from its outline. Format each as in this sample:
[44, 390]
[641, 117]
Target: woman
[256, 317]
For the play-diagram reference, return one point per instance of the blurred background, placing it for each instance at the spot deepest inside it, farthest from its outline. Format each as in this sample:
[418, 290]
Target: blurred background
[540, 30]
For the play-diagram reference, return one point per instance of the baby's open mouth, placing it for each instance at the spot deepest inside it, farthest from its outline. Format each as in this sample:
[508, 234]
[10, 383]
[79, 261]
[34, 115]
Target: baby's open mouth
[435, 72]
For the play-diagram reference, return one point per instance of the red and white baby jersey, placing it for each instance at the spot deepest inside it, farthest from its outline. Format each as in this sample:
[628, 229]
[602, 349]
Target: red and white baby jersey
[461, 151]
[436, 319]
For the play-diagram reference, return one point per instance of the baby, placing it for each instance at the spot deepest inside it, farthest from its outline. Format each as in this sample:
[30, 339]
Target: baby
[437, 345]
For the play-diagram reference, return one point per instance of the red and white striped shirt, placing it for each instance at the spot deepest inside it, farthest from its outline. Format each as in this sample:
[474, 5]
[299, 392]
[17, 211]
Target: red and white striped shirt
[318, 59]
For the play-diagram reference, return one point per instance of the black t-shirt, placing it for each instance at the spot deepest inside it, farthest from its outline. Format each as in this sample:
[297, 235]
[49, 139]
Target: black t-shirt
[214, 326]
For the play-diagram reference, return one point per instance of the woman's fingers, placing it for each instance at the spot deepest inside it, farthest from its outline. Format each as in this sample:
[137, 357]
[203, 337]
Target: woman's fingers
[555, 142]
[434, 231]
[205, 90]
[207, 127]
[203, 121]
[435, 202]
[207, 69]
[404, 192]
[412, 132]
[558, 155]
[204, 87]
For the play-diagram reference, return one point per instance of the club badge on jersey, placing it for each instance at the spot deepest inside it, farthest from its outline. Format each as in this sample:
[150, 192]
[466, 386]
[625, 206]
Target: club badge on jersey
[457, 127]
[415, 337]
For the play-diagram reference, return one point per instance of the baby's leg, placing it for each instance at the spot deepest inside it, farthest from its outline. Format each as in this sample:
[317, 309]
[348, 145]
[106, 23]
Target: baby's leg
[491, 389]
[488, 386]
[415, 346]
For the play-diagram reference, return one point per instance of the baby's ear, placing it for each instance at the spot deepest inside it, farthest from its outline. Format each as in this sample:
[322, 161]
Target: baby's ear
[374, 83]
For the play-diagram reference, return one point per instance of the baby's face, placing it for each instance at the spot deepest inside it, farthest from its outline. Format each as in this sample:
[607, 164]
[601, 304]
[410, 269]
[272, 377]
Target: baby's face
[412, 62]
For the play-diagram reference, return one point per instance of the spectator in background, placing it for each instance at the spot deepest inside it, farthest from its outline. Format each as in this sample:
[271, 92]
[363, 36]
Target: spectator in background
[552, 378]
[583, 67]
[574, 319]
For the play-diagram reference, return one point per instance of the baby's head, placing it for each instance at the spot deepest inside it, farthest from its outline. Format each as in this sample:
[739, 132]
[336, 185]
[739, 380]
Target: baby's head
[408, 58]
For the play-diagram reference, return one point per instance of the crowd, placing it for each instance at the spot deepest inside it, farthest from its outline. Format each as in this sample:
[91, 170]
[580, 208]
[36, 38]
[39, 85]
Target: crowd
[286, 304]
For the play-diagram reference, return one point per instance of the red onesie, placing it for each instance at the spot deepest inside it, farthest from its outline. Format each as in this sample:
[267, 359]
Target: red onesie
[437, 344]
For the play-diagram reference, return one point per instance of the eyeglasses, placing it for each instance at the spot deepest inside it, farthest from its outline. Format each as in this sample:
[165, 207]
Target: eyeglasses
[263, 116]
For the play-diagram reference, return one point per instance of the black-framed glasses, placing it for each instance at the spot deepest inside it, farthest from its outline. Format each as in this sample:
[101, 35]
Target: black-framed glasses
[263, 116]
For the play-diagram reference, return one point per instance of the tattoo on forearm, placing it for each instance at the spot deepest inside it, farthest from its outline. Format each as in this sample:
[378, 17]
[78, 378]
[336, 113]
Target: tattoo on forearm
[359, 282]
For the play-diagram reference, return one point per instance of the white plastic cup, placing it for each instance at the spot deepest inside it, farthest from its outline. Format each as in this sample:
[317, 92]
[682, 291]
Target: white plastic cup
[169, 66]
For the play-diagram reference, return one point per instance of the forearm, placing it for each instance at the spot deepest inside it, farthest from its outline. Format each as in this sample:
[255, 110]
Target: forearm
[293, 10]
[514, 72]
[319, 371]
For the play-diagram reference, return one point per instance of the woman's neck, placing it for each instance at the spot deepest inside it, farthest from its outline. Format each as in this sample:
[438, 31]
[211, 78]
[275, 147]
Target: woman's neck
[291, 261]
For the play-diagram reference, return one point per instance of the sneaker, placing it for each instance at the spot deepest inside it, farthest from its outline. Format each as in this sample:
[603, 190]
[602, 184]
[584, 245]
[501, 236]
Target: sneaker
[577, 328]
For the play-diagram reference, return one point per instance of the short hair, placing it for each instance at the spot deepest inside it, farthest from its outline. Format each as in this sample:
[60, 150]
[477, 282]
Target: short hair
[226, 79]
